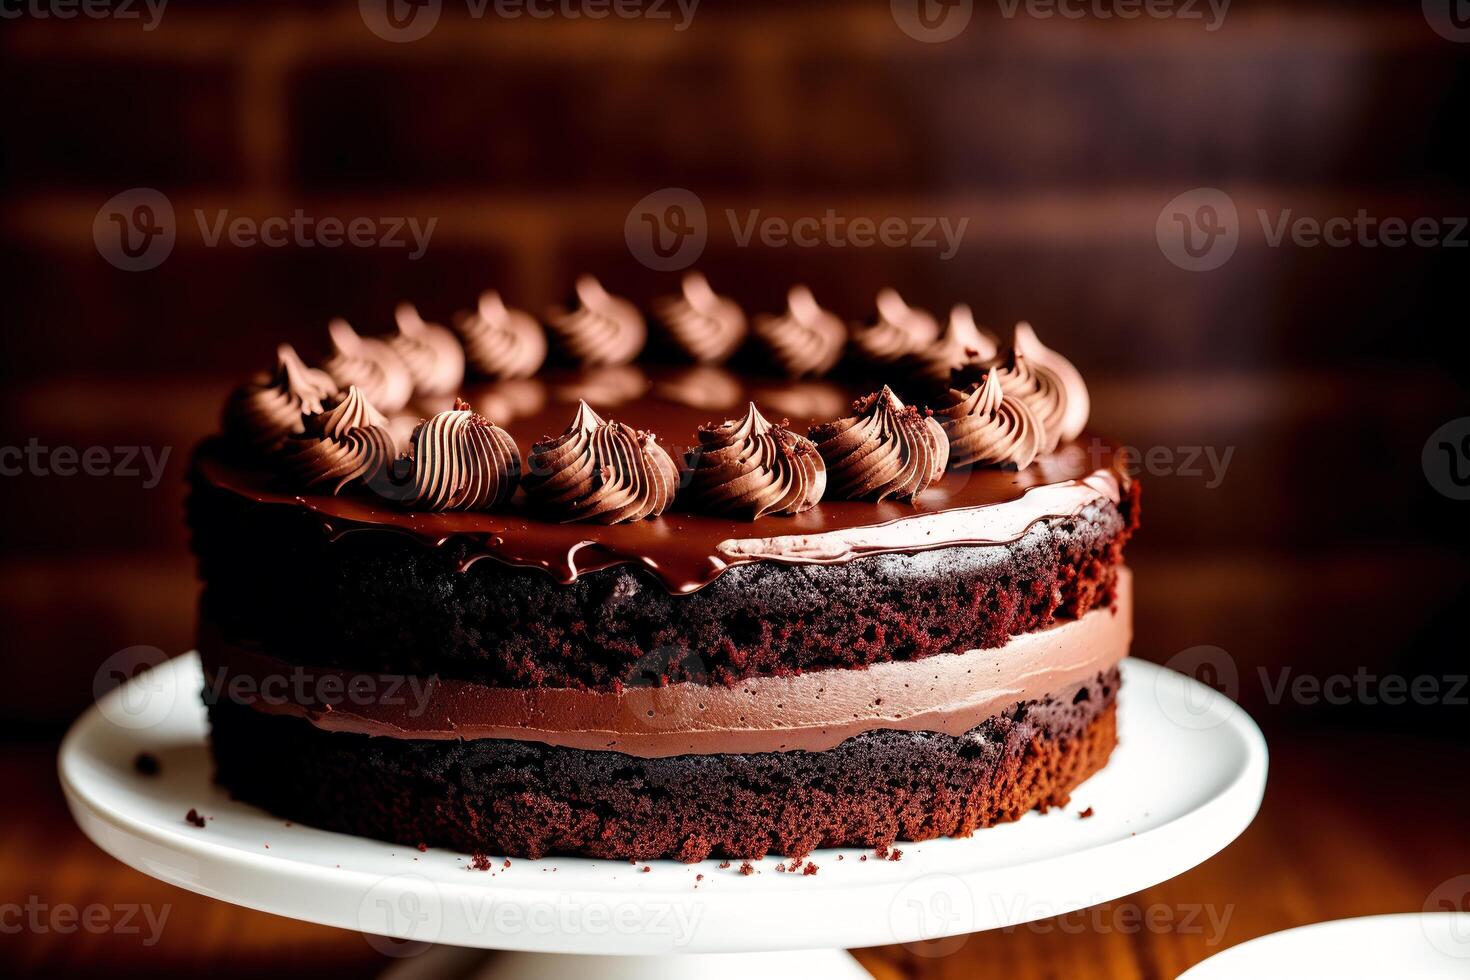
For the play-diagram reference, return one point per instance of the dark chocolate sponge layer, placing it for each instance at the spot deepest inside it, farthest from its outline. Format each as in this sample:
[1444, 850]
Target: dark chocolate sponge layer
[376, 600]
[526, 799]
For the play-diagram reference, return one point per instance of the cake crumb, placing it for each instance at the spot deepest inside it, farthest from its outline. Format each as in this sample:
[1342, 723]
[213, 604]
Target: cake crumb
[423, 847]
[862, 857]
[1085, 814]
[645, 869]
[699, 877]
[193, 817]
[146, 763]
[781, 866]
[810, 869]
[480, 862]
[506, 864]
[881, 851]
[724, 864]
[896, 855]
[747, 868]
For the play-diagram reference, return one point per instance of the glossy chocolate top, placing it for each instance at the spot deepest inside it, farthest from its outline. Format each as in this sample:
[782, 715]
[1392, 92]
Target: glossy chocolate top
[687, 550]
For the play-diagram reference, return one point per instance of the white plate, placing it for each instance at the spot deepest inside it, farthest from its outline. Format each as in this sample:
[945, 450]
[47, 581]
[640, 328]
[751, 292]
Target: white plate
[1425, 946]
[1186, 779]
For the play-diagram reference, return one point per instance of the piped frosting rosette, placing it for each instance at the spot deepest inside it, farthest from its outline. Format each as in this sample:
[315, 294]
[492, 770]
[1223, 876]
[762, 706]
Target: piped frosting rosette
[887, 449]
[501, 343]
[602, 329]
[748, 468]
[460, 460]
[705, 326]
[900, 332]
[371, 365]
[987, 429]
[347, 443]
[806, 341]
[267, 410]
[600, 472]
[432, 353]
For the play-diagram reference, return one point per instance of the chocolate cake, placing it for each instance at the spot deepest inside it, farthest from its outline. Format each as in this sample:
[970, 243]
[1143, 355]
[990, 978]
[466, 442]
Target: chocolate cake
[612, 597]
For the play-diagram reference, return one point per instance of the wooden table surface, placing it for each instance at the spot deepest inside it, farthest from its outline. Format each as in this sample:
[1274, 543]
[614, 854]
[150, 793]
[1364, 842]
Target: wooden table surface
[1353, 824]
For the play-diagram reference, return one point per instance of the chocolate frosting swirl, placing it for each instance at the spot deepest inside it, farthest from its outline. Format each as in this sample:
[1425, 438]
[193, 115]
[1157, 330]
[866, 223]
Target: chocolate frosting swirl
[462, 461]
[603, 329]
[704, 325]
[1078, 402]
[985, 427]
[346, 443]
[265, 411]
[501, 343]
[600, 472]
[432, 353]
[749, 468]
[806, 340]
[962, 345]
[1042, 391]
[371, 365]
[886, 450]
[900, 331]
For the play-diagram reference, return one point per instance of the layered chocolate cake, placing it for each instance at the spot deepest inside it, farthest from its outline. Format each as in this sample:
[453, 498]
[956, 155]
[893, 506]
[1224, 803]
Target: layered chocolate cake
[693, 587]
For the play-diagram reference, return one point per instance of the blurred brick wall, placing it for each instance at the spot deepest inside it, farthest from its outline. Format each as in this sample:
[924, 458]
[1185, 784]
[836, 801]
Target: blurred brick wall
[529, 141]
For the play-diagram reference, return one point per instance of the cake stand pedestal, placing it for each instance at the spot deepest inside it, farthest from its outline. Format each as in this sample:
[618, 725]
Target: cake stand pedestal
[1186, 779]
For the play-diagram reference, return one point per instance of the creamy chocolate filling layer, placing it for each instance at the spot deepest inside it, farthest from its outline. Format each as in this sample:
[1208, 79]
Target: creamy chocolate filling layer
[949, 693]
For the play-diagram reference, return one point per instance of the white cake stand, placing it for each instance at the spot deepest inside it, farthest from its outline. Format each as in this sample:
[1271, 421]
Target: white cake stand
[1186, 779]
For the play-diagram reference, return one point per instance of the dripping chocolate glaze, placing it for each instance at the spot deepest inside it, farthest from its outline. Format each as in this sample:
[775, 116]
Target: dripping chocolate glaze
[683, 549]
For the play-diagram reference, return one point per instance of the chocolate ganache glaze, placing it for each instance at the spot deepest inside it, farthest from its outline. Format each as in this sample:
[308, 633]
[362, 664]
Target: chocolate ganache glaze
[686, 549]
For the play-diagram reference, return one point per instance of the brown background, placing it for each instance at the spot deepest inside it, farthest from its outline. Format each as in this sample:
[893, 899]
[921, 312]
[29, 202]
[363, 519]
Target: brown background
[1325, 549]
